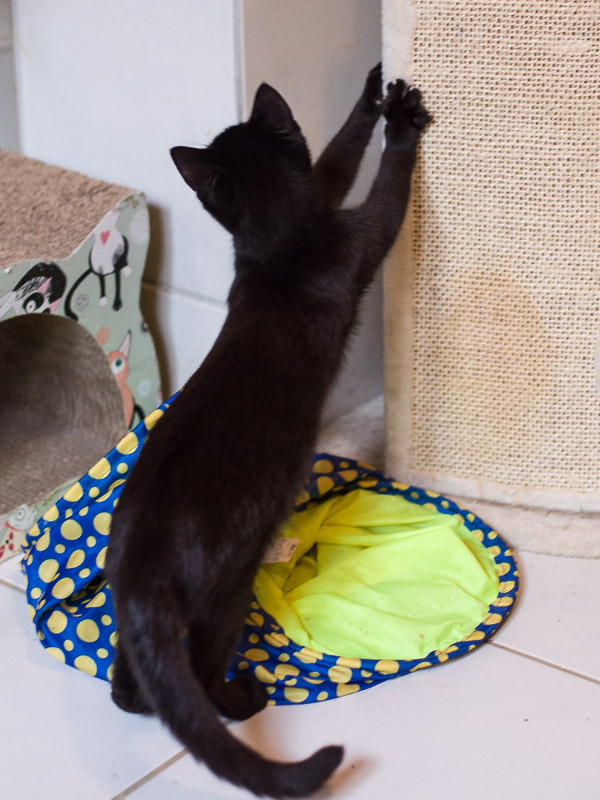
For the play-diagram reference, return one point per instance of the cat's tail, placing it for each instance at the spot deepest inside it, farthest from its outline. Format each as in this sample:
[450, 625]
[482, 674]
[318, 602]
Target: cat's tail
[160, 662]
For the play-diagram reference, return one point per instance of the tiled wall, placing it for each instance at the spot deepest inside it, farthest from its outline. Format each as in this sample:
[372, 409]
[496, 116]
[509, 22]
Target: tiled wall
[318, 55]
[107, 88]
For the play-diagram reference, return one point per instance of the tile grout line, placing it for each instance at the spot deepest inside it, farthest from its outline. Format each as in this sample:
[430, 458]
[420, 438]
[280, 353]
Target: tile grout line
[546, 663]
[147, 778]
[9, 585]
[156, 286]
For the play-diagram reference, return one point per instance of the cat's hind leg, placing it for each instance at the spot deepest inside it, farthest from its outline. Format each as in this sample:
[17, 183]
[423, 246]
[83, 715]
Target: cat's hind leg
[125, 690]
[338, 165]
[212, 645]
[239, 698]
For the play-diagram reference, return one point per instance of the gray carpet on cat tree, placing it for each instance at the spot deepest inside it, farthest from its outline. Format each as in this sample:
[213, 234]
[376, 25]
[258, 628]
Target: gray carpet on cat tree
[45, 211]
[60, 408]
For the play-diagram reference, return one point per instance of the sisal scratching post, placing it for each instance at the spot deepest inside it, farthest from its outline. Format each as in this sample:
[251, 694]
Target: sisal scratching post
[77, 363]
[492, 295]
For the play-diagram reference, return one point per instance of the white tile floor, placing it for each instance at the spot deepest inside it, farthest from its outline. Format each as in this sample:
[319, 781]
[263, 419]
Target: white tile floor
[519, 717]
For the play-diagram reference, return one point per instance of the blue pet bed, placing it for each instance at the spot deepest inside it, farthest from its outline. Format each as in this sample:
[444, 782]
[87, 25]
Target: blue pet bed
[385, 579]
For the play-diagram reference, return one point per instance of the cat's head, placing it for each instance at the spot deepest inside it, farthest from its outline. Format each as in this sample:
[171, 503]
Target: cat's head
[254, 172]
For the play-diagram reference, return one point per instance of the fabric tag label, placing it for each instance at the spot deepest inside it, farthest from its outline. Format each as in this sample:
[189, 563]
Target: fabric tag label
[280, 550]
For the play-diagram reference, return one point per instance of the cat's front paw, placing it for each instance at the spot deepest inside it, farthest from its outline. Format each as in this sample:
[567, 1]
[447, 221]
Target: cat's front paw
[404, 110]
[372, 96]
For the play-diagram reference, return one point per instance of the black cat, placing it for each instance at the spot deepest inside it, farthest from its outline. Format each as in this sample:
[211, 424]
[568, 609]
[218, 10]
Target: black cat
[221, 471]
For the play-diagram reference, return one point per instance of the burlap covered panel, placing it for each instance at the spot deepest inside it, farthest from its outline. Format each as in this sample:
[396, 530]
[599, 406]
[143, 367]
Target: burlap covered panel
[505, 396]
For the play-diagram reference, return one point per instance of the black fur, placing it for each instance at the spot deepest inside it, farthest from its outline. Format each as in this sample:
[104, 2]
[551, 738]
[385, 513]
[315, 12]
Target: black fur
[221, 471]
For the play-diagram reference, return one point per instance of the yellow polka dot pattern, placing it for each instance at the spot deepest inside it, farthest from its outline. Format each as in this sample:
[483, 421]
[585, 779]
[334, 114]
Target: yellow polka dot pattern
[71, 604]
[65, 553]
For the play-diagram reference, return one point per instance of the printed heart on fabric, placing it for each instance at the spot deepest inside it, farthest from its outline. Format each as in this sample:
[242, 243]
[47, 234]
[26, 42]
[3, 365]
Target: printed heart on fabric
[104, 236]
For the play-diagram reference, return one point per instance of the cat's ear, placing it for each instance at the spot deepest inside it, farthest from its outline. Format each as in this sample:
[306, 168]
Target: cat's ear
[195, 166]
[271, 111]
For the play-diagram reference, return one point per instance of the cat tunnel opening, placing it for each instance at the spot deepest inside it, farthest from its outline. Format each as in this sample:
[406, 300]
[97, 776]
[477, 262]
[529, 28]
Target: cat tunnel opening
[60, 407]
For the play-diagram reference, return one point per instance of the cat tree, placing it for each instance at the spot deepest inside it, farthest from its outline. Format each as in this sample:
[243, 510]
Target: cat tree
[492, 295]
[77, 363]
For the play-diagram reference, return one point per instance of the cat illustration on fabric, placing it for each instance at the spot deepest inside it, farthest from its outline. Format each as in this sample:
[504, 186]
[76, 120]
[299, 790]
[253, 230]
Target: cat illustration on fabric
[39, 291]
[14, 526]
[108, 256]
[221, 470]
[119, 365]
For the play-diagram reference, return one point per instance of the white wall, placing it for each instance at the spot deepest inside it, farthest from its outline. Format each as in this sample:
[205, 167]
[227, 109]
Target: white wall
[317, 53]
[106, 88]
[8, 104]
